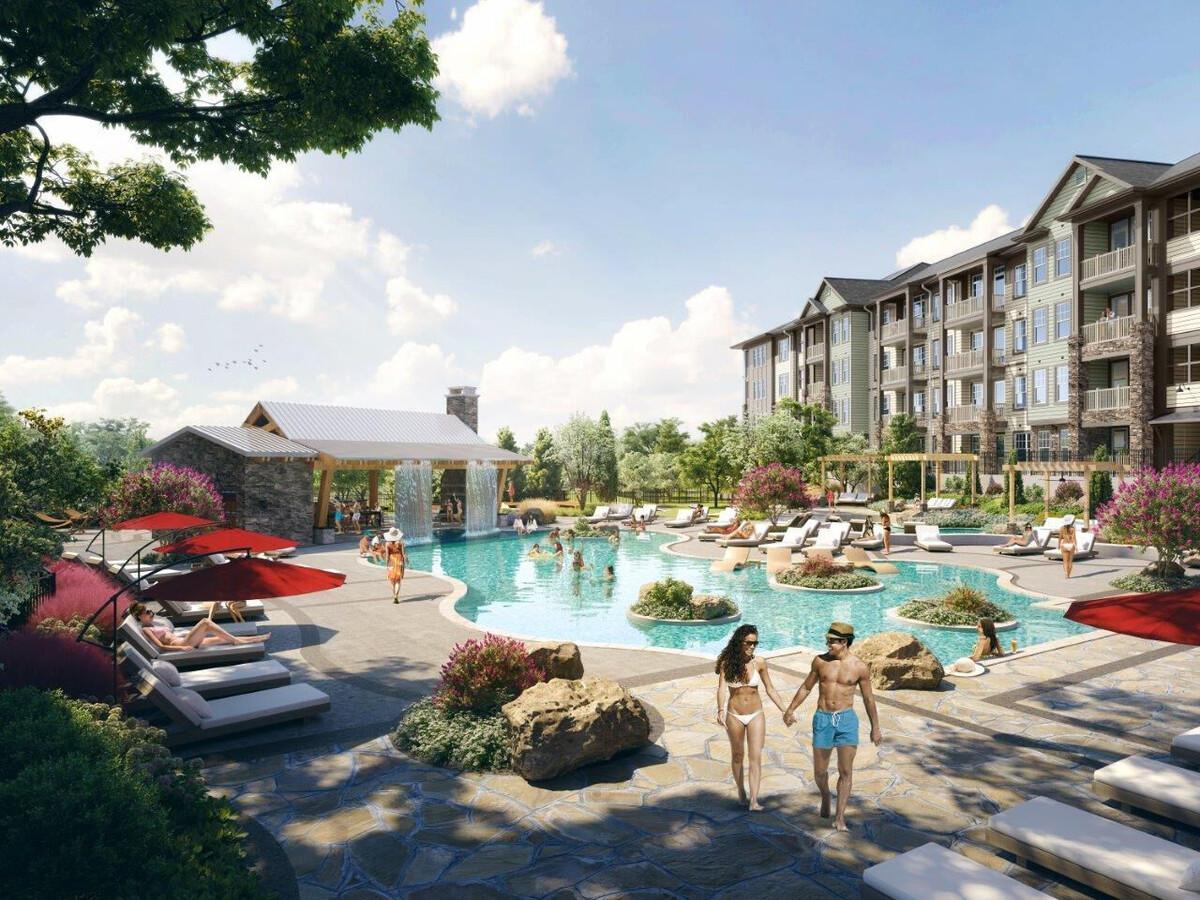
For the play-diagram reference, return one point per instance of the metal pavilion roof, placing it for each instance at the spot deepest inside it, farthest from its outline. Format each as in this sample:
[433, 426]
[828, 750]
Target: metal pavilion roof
[250, 442]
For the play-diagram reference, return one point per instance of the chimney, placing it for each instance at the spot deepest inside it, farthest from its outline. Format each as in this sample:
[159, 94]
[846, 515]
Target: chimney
[463, 401]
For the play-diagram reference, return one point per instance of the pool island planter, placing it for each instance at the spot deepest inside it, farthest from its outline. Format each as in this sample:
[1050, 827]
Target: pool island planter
[896, 617]
[869, 589]
[639, 619]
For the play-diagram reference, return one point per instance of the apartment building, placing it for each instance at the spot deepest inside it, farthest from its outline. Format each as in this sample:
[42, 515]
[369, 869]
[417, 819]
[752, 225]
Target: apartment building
[1078, 330]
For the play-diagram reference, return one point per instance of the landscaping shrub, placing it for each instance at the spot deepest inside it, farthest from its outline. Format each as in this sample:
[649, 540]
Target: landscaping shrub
[1151, 584]
[547, 509]
[837, 579]
[1100, 489]
[1034, 493]
[79, 592]
[584, 528]
[961, 605]
[993, 488]
[1067, 492]
[953, 484]
[966, 600]
[457, 739]
[93, 805]
[51, 660]
[1161, 509]
[483, 675]
[820, 566]
[162, 488]
[964, 517]
[668, 598]
[770, 491]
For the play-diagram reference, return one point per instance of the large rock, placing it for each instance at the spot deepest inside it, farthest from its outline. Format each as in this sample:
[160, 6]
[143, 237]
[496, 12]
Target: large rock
[898, 660]
[711, 606]
[557, 660]
[560, 725]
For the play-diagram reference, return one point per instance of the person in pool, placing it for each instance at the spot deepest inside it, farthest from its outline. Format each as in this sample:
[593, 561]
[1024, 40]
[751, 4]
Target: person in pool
[988, 644]
[558, 550]
[577, 562]
[609, 574]
[835, 723]
[205, 633]
[740, 708]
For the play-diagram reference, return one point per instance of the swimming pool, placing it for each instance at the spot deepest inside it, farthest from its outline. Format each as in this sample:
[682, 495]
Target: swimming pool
[511, 593]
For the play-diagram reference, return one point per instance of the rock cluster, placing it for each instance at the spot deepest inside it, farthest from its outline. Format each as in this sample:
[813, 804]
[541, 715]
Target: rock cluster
[899, 661]
[557, 660]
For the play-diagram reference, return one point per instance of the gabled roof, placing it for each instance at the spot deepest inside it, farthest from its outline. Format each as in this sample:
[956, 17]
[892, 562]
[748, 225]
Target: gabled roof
[1135, 173]
[1184, 167]
[253, 443]
[857, 291]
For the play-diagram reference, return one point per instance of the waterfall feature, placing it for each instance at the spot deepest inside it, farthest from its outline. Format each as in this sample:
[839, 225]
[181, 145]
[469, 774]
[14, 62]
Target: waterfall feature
[481, 498]
[414, 501]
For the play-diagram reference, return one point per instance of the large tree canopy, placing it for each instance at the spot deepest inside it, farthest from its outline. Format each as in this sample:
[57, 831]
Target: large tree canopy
[325, 75]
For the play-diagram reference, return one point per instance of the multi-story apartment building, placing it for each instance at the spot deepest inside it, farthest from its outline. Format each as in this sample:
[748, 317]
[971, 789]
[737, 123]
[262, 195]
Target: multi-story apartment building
[1078, 330]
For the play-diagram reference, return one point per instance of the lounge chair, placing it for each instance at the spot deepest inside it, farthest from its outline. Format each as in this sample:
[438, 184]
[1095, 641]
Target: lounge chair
[779, 557]
[54, 522]
[831, 536]
[845, 497]
[862, 560]
[1036, 546]
[683, 518]
[212, 718]
[929, 537]
[735, 558]
[1159, 787]
[224, 681]
[796, 537]
[874, 542]
[1085, 546]
[199, 658]
[600, 514]
[620, 511]
[1186, 747]
[931, 872]
[757, 537]
[1093, 850]
[190, 613]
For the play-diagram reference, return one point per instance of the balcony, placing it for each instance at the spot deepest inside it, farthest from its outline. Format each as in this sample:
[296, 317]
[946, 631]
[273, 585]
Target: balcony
[920, 418]
[895, 375]
[964, 309]
[893, 331]
[961, 415]
[1108, 330]
[919, 370]
[1100, 399]
[1003, 300]
[815, 352]
[962, 362]
[816, 390]
[1104, 264]
[919, 322]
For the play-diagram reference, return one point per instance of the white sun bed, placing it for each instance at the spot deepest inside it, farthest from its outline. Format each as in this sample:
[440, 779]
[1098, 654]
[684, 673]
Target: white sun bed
[201, 657]
[1085, 546]
[1159, 787]
[796, 536]
[1186, 747]
[1036, 546]
[929, 537]
[931, 872]
[182, 613]
[683, 518]
[874, 542]
[223, 681]
[728, 516]
[757, 537]
[600, 514]
[1093, 850]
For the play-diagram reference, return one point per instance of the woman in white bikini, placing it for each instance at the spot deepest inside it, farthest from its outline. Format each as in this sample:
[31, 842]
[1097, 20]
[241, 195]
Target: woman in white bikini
[740, 710]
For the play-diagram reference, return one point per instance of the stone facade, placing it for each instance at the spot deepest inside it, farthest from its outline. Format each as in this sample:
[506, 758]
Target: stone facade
[463, 402]
[1141, 388]
[1078, 380]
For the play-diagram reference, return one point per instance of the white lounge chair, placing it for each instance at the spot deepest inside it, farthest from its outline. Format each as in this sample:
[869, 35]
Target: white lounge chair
[832, 535]
[683, 518]
[223, 681]
[874, 542]
[929, 537]
[796, 537]
[185, 613]
[1093, 850]
[728, 516]
[1085, 546]
[757, 537]
[860, 559]
[191, 721]
[1159, 787]
[734, 558]
[931, 872]
[600, 514]
[1038, 540]
[1186, 747]
[620, 511]
[199, 658]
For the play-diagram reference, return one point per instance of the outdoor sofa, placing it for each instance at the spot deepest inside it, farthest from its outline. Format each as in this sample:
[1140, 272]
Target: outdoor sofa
[1149, 784]
[931, 872]
[223, 681]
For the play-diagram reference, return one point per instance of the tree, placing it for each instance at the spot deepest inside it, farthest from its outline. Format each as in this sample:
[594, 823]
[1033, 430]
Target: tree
[717, 459]
[770, 491]
[23, 541]
[1018, 481]
[162, 487]
[47, 464]
[671, 438]
[902, 436]
[777, 438]
[646, 471]
[640, 437]
[506, 440]
[545, 476]
[607, 475]
[6, 410]
[816, 436]
[851, 444]
[324, 76]
[115, 444]
[1161, 509]
[1100, 488]
[580, 450]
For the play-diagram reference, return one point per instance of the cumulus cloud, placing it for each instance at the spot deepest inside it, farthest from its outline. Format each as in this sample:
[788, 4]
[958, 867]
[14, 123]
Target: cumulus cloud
[544, 248]
[104, 341]
[112, 278]
[503, 55]
[991, 222]
[411, 308]
[168, 338]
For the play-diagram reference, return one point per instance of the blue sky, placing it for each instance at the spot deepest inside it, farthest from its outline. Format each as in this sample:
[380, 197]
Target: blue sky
[615, 194]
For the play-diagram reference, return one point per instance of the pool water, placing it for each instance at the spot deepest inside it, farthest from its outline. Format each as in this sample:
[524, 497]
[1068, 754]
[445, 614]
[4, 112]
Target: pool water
[511, 593]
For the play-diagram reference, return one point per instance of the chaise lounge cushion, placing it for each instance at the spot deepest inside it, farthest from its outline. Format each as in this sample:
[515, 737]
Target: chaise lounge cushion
[931, 872]
[166, 672]
[215, 655]
[1119, 853]
[193, 702]
[1186, 746]
[1158, 783]
[273, 701]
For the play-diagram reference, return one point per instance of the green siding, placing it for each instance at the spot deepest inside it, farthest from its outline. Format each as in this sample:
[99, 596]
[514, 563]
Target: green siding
[1065, 196]
[1101, 191]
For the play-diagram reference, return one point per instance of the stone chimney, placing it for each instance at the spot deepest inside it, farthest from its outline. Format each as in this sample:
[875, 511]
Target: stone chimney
[463, 401]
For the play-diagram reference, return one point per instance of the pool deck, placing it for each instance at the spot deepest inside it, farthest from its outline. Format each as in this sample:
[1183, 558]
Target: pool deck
[356, 818]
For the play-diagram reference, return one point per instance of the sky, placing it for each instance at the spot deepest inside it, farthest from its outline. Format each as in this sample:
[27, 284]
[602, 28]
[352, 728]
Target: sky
[614, 195]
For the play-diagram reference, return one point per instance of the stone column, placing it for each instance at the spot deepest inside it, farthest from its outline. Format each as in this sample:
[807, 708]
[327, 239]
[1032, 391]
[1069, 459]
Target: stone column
[987, 443]
[1078, 382]
[463, 402]
[1141, 389]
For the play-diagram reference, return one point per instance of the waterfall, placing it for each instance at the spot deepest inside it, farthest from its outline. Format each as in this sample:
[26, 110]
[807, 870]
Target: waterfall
[414, 501]
[480, 517]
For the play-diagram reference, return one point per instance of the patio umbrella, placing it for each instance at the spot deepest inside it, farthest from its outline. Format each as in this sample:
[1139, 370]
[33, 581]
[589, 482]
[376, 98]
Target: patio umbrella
[248, 578]
[162, 521]
[227, 539]
[1164, 616]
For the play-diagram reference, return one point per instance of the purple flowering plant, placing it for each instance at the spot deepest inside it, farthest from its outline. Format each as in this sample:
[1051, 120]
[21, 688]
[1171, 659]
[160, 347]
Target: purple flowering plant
[1159, 509]
[162, 487]
[482, 675]
[770, 491]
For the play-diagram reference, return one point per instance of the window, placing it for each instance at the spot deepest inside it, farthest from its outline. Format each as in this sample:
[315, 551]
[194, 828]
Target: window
[1019, 281]
[1183, 214]
[976, 340]
[1062, 384]
[1062, 320]
[845, 371]
[1043, 439]
[1019, 336]
[951, 343]
[976, 285]
[1078, 175]
[1039, 266]
[951, 292]
[918, 309]
[998, 276]
[1120, 233]
[918, 402]
[783, 347]
[835, 374]
[998, 392]
[1000, 454]
[918, 355]
[1118, 373]
[885, 404]
[937, 401]
[936, 306]
[998, 338]
[936, 353]
[1184, 288]
[1039, 387]
[1062, 258]
[1018, 392]
[1185, 364]
[1021, 444]
[781, 388]
[1064, 440]
[1040, 335]
[977, 393]
[1120, 304]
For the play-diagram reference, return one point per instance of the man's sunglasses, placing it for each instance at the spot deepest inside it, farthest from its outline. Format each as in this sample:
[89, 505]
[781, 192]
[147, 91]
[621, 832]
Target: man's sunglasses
[830, 640]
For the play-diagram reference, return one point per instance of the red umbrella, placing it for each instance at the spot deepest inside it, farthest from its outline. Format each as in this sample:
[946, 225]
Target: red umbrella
[1164, 616]
[248, 578]
[162, 521]
[228, 539]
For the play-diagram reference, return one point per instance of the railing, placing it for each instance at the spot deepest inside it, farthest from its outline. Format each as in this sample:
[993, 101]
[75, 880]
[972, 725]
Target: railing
[1108, 330]
[673, 496]
[999, 410]
[895, 375]
[1108, 263]
[816, 389]
[964, 309]
[45, 585]
[1001, 300]
[919, 321]
[967, 413]
[999, 356]
[1106, 398]
[893, 330]
[918, 370]
[970, 359]
[815, 352]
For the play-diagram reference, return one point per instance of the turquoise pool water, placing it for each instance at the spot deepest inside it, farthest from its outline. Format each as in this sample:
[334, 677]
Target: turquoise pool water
[510, 592]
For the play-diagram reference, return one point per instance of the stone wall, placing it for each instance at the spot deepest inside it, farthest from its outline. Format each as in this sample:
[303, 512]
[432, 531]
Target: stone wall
[1141, 388]
[1078, 385]
[226, 468]
[465, 407]
[278, 498]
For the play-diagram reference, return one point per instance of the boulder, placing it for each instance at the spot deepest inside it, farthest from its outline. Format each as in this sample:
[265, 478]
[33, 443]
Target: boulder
[557, 660]
[898, 660]
[559, 725]
[711, 606]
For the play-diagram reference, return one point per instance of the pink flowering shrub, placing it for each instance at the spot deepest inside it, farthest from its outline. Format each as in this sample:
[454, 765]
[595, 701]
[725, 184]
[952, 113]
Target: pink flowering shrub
[770, 491]
[1160, 509]
[36, 659]
[79, 591]
[481, 676]
[162, 488]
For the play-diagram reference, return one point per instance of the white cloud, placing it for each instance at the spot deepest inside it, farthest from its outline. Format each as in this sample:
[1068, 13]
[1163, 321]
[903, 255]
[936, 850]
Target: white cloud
[991, 222]
[544, 248]
[411, 308]
[168, 338]
[118, 398]
[103, 342]
[504, 54]
[648, 368]
[271, 389]
[391, 253]
[111, 278]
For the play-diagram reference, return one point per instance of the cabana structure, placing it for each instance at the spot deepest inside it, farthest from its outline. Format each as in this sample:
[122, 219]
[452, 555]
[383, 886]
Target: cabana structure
[971, 459]
[1048, 469]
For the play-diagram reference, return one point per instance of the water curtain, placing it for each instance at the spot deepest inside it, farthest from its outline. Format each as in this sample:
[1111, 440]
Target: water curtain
[414, 501]
[481, 498]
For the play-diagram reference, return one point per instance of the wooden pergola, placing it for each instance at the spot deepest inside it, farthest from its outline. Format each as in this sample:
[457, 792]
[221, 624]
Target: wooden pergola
[844, 458]
[971, 459]
[1083, 467]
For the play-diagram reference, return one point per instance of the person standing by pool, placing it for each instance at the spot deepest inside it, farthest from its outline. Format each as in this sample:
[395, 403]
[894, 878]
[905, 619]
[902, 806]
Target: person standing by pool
[835, 723]
[1066, 544]
[337, 517]
[740, 708]
[397, 559]
[885, 522]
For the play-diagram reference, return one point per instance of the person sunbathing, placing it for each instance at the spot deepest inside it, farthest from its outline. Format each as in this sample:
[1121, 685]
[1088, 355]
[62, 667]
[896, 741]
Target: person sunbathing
[1019, 540]
[745, 530]
[205, 633]
[724, 529]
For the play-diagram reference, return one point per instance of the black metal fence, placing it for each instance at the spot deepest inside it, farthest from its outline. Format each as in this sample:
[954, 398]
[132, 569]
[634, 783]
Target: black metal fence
[673, 496]
[43, 586]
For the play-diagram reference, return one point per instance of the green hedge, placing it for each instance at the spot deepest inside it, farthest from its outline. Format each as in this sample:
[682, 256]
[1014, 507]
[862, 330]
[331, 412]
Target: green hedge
[841, 581]
[457, 739]
[1150, 584]
[960, 605]
[93, 805]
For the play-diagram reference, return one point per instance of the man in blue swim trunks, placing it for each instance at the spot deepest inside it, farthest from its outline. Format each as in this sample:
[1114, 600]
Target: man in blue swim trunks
[835, 723]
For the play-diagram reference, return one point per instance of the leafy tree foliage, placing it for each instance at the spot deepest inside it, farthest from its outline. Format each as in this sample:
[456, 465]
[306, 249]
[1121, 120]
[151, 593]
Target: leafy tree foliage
[1018, 481]
[1161, 509]
[770, 491]
[902, 436]
[642, 471]
[671, 438]
[640, 437]
[162, 487]
[115, 444]
[855, 473]
[581, 450]
[545, 475]
[608, 474]
[506, 440]
[1100, 489]
[716, 461]
[325, 75]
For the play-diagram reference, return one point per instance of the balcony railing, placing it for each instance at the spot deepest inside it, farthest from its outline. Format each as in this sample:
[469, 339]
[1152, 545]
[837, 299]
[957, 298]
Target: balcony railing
[920, 418]
[1108, 330]
[919, 370]
[1100, 399]
[1001, 300]
[919, 321]
[999, 356]
[815, 352]
[971, 359]
[1108, 263]
[967, 413]
[816, 390]
[893, 330]
[964, 309]
[895, 375]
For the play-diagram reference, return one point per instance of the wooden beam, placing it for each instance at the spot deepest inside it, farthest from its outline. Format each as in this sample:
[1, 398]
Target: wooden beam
[373, 489]
[501, 477]
[1012, 493]
[322, 513]
[890, 484]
